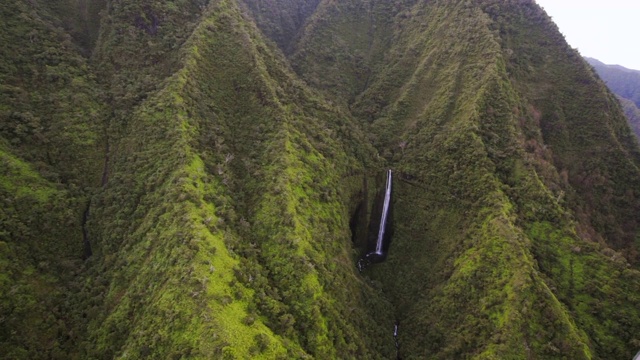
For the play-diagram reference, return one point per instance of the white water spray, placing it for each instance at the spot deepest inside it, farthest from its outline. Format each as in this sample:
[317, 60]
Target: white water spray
[385, 214]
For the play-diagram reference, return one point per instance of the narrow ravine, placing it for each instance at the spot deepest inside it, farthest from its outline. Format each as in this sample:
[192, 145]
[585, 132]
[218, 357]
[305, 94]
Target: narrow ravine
[87, 252]
[105, 170]
[380, 229]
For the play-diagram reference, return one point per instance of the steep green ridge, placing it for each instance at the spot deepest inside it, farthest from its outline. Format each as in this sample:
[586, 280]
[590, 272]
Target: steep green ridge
[237, 181]
[226, 145]
[577, 121]
[50, 106]
[343, 44]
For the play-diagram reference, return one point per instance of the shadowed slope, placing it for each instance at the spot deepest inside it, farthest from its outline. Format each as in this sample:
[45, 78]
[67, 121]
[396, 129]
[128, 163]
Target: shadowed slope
[51, 141]
[625, 83]
[622, 81]
[281, 20]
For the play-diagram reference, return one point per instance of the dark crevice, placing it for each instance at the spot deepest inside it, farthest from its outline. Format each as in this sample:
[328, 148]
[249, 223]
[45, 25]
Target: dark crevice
[85, 237]
[105, 170]
[380, 226]
[148, 21]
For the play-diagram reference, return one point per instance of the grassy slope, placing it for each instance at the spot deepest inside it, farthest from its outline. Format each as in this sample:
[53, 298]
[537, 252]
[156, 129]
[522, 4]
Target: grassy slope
[222, 231]
[487, 261]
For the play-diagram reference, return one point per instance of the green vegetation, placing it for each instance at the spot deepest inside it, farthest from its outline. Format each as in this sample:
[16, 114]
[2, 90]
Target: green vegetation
[213, 153]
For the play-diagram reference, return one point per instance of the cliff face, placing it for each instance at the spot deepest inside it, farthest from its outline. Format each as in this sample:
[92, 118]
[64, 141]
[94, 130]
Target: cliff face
[225, 147]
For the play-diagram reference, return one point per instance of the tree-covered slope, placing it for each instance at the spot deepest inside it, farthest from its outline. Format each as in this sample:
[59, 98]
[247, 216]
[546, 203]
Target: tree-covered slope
[229, 147]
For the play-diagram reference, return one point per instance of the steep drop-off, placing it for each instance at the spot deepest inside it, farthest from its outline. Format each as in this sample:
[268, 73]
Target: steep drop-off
[229, 149]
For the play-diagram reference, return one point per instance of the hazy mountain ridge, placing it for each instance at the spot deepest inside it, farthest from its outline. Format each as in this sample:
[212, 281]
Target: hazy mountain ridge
[622, 81]
[625, 83]
[221, 229]
[633, 114]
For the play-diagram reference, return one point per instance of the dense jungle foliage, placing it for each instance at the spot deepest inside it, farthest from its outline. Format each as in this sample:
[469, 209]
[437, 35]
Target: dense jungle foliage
[189, 178]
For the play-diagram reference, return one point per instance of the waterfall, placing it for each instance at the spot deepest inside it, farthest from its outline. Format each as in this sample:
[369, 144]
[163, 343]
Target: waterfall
[380, 226]
[385, 215]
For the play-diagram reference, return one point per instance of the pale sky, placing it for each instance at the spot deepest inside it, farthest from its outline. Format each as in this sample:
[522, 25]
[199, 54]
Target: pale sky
[607, 30]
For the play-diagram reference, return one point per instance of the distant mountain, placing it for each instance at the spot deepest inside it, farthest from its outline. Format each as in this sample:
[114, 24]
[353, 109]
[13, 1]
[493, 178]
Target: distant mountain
[625, 83]
[622, 81]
